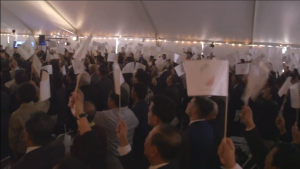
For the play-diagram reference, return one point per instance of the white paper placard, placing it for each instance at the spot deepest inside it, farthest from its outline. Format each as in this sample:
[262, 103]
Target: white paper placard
[63, 70]
[9, 83]
[295, 95]
[160, 64]
[48, 68]
[128, 68]
[80, 53]
[179, 69]
[285, 87]
[26, 49]
[207, 77]
[78, 66]
[45, 86]
[139, 66]
[177, 58]
[118, 78]
[242, 69]
[112, 57]
[36, 64]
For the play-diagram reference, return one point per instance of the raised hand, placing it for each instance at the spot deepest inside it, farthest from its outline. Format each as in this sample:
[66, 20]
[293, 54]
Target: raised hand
[226, 153]
[122, 133]
[247, 117]
[280, 123]
[76, 103]
[296, 134]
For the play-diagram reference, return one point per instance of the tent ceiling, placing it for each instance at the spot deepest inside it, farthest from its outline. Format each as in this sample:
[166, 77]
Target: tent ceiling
[275, 22]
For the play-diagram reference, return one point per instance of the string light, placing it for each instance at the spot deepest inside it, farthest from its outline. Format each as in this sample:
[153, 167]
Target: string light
[182, 41]
[176, 41]
[195, 42]
[240, 44]
[233, 44]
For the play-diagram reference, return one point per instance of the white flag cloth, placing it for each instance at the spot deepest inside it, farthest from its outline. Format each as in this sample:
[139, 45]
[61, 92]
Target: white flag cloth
[77, 46]
[26, 49]
[207, 51]
[179, 69]
[257, 78]
[285, 87]
[242, 69]
[128, 68]
[36, 64]
[9, 83]
[80, 53]
[112, 57]
[139, 66]
[78, 66]
[48, 68]
[207, 77]
[295, 95]
[45, 86]
[160, 63]
[178, 59]
[118, 78]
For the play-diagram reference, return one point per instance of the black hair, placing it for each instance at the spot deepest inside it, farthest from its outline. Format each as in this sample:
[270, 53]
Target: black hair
[287, 156]
[174, 78]
[164, 108]
[124, 97]
[103, 69]
[151, 57]
[274, 93]
[167, 141]
[271, 81]
[26, 92]
[143, 77]
[100, 59]
[71, 75]
[91, 112]
[71, 163]
[4, 65]
[141, 90]
[204, 106]
[40, 127]
[239, 79]
[21, 76]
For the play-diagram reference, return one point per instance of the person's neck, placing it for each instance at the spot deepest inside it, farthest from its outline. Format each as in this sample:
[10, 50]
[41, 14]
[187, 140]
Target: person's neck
[156, 161]
[193, 118]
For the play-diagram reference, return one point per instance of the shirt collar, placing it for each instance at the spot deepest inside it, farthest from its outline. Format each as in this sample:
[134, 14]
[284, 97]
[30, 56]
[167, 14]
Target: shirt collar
[29, 149]
[25, 105]
[158, 166]
[196, 121]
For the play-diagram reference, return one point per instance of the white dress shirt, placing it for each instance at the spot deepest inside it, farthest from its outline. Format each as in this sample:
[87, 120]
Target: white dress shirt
[29, 149]
[237, 166]
[196, 121]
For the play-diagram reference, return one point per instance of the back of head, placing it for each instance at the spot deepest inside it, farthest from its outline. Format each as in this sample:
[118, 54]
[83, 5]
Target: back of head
[55, 65]
[287, 156]
[21, 76]
[85, 78]
[90, 110]
[4, 65]
[71, 75]
[167, 141]
[124, 97]
[141, 90]
[274, 93]
[164, 108]
[26, 92]
[39, 127]
[143, 77]
[103, 69]
[204, 106]
[93, 69]
[71, 163]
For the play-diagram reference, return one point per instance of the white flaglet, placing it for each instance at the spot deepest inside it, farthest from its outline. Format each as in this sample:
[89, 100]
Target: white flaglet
[160, 63]
[233, 58]
[118, 78]
[207, 77]
[177, 58]
[112, 57]
[295, 95]
[78, 66]
[128, 68]
[26, 49]
[80, 53]
[139, 66]
[242, 69]
[257, 78]
[45, 86]
[48, 68]
[63, 70]
[179, 69]
[285, 87]
[77, 46]
[9, 83]
[36, 64]
[207, 51]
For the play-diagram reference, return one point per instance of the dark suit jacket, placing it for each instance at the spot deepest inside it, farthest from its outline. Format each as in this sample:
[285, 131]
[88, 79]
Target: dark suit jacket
[128, 162]
[201, 138]
[140, 110]
[158, 89]
[172, 92]
[90, 93]
[45, 157]
[163, 77]
[104, 86]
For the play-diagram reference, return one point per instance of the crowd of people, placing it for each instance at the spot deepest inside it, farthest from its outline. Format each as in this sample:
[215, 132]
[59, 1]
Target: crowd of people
[152, 123]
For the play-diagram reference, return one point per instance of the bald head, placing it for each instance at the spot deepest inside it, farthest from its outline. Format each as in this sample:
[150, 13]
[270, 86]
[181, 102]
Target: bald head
[213, 114]
[90, 110]
[85, 78]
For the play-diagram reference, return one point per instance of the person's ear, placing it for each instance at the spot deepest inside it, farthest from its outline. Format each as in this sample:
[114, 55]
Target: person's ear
[153, 151]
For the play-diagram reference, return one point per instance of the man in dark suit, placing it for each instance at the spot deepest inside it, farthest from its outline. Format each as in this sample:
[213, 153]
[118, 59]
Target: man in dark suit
[171, 90]
[200, 133]
[163, 77]
[89, 91]
[104, 86]
[41, 152]
[161, 147]
[282, 156]
[140, 109]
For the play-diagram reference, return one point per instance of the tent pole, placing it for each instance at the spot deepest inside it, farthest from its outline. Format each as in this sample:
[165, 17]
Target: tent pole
[253, 23]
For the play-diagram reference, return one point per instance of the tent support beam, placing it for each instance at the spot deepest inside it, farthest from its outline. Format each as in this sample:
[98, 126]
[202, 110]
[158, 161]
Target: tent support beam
[253, 22]
[22, 22]
[150, 20]
[52, 7]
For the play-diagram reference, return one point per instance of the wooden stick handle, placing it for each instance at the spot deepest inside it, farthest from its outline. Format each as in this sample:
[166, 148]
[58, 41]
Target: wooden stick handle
[226, 114]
